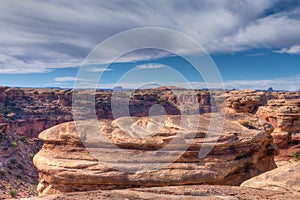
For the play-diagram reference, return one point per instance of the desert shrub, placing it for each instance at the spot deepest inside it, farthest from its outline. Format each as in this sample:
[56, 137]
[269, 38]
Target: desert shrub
[13, 161]
[24, 139]
[13, 144]
[2, 136]
[31, 155]
[2, 173]
[13, 193]
[246, 124]
[296, 155]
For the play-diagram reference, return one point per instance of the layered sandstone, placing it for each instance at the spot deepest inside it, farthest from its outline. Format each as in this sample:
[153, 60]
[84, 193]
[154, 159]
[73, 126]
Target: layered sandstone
[190, 192]
[244, 101]
[150, 152]
[284, 115]
[249, 101]
[285, 178]
[28, 111]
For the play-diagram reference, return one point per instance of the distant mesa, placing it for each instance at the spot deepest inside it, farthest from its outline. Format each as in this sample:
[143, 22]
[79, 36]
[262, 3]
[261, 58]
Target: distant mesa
[118, 88]
[270, 89]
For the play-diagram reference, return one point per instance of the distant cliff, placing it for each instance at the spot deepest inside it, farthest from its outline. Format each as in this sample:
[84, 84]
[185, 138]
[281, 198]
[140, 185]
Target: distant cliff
[28, 111]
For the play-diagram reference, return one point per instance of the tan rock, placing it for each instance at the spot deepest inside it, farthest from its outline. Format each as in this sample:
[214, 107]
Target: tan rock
[244, 101]
[65, 165]
[189, 192]
[284, 115]
[285, 178]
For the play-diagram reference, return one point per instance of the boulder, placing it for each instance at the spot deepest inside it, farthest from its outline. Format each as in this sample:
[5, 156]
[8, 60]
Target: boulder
[148, 152]
[285, 178]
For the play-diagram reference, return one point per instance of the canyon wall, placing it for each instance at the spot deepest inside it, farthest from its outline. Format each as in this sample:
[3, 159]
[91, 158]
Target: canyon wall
[28, 111]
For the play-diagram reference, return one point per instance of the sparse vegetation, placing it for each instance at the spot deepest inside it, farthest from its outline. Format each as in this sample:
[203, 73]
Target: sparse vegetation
[13, 144]
[24, 139]
[13, 161]
[296, 155]
[246, 124]
[2, 136]
[13, 193]
[2, 173]
[31, 155]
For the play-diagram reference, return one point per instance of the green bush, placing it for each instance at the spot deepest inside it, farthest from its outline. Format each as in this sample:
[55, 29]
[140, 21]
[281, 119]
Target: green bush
[13, 193]
[31, 155]
[2, 173]
[13, 161]
[296, 155]
[246, 124]
[13, 144]
[24, 139]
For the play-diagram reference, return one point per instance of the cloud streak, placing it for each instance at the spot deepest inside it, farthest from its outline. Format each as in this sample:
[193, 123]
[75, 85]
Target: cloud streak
[150, 66]
[68, 79]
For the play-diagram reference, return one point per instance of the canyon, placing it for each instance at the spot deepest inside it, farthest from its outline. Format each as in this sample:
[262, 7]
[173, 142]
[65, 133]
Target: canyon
[256, 124]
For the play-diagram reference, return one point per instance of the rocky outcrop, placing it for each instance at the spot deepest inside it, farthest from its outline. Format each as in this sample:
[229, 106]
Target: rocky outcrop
[30, 111]
[248, 101]
[284, 115]
[143, 159]
[190, 192]
[285, 178]
[244, 101]
[18, 176]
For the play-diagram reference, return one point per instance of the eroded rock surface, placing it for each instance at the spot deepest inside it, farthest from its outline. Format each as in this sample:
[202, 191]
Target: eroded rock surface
[202, 192]
[284, 115]
[285, 178]
[239, 153]
[244, 101]
[32, 110]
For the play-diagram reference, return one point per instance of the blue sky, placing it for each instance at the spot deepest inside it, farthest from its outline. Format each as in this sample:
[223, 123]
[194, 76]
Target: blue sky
[254, 44]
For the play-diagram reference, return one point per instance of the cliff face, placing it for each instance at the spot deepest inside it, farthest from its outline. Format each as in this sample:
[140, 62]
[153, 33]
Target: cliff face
[249, 101]
[65, 165]
[284, 115]
[30, 111]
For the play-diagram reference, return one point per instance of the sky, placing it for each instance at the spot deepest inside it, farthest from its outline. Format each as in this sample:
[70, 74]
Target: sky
[253, 44]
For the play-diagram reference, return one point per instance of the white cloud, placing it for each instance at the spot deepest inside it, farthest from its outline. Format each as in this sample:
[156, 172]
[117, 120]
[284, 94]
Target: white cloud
[39, 35]
[292, 50]
[98, 69]
[276, 31]
[68, 79]
[150, 66]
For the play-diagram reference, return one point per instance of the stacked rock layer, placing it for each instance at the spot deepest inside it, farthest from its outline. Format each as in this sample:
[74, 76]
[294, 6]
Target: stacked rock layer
[242, 149]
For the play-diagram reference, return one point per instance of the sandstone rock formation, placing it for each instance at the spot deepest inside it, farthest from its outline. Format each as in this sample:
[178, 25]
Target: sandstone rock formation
[30, 111]
[239, 153]
[248, 101]
[285, 178]
[244, 101]
[284, 115]
[190, 192]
